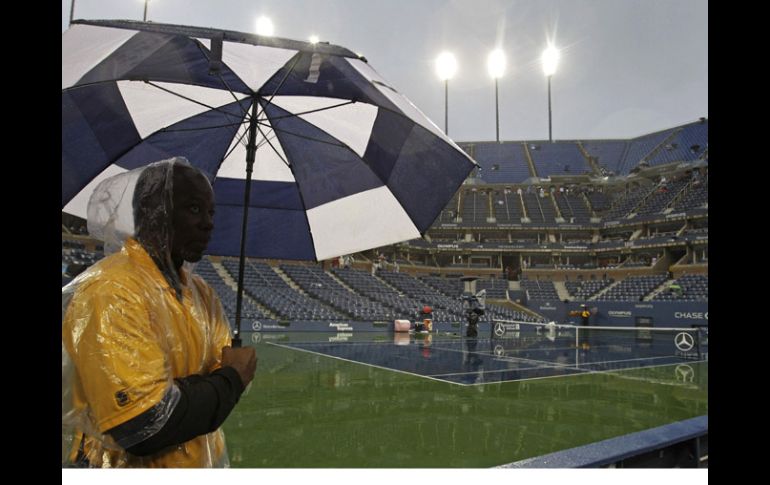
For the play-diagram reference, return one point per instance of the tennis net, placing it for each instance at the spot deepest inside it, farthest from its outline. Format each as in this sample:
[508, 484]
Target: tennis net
[684, 342]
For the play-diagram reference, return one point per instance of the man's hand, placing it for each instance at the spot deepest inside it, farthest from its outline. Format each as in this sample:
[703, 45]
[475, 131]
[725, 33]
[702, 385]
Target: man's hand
[243, 360]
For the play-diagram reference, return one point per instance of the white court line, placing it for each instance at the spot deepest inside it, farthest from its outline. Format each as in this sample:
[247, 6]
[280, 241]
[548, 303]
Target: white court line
[612, 372]
[628, 360]
[650, 380]
[499, 370]
[559, 365]
[367, 364]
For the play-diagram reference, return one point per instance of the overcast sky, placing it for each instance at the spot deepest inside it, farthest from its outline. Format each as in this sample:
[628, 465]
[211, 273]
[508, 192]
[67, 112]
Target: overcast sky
[627, 68]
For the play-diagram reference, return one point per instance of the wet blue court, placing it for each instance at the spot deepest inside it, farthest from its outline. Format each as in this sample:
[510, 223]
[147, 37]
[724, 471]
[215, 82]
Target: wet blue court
[519, 356]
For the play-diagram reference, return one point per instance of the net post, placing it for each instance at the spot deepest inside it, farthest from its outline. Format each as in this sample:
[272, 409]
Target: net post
[697, 342]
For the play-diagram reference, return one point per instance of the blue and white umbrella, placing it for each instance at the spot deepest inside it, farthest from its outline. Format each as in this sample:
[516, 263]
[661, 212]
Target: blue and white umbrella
[342, 162]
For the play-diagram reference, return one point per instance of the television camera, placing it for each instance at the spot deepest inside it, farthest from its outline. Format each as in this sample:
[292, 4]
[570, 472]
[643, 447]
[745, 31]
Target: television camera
[474, 306]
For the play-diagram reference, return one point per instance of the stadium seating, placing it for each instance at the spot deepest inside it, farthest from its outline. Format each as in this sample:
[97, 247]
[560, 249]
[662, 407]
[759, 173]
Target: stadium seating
[608, 153]
[558, 158]
[694, 288]
[583, 290]
[640, 147]
[500, 162]
[633, 288]
[539, 290]
[688, 144]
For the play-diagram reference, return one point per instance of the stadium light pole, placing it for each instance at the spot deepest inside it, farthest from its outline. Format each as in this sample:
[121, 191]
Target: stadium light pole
[446, 67]
[496, 67]
[550, 59]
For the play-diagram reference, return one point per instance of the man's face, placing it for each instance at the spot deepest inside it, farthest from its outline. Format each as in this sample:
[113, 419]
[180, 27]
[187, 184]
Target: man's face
[193, 218]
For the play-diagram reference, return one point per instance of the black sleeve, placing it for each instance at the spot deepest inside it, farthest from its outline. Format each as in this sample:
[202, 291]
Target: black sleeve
[204, 403]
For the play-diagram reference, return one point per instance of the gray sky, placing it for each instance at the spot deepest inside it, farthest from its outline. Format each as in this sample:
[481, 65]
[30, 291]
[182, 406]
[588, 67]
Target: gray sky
[627, 68]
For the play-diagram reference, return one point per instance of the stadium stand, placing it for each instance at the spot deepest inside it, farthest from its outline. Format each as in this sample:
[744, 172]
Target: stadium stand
[598, 220]
[558, 158]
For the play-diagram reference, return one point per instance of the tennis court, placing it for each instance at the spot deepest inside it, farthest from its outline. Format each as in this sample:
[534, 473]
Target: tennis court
[441, 400]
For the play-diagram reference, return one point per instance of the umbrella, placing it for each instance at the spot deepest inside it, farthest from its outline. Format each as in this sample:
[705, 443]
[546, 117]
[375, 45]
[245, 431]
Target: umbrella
[311, 152]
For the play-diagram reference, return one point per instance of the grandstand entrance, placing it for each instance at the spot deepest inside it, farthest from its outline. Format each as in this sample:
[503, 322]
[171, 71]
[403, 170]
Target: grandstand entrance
[676, 253]
[511, 261]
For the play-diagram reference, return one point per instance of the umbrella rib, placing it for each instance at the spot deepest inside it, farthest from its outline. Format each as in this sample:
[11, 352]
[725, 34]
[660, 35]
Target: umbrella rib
[271, 145]
[193, 100]
[261, 108]
[275, 128]
[168, 130]
[262, 142]
[235, 145]
[244, 112]
[264, 138]
[291, 115]
[280, 84]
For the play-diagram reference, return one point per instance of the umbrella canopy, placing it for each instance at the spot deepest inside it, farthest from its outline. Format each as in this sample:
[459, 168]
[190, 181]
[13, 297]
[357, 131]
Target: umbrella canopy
[342, 162]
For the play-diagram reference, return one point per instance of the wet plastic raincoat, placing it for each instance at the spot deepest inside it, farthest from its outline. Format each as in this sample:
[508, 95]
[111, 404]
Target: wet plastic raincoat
[131, 325]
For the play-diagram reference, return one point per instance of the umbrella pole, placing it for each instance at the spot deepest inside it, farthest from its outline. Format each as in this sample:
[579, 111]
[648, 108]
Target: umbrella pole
[251, 150]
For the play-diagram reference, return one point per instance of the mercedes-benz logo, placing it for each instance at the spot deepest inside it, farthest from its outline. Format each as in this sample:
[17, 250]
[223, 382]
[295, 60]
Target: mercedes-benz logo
[684, 341]
[499, 329]
[684, 373]
[256, 325]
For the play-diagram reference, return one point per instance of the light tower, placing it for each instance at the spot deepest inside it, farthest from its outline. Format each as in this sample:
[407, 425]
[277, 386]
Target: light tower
[446, 67]
[550, 59]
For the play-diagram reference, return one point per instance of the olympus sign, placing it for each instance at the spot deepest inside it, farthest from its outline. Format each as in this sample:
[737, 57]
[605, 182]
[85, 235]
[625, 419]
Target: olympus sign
[693, 315]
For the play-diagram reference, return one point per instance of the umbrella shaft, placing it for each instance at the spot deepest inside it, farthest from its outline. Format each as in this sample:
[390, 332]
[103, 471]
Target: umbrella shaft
[251, 150]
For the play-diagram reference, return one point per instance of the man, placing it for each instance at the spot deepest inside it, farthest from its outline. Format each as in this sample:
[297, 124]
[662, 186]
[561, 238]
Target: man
[148, 376]
[584, 315]
[473, 315]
